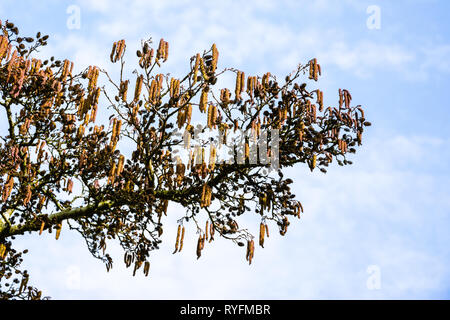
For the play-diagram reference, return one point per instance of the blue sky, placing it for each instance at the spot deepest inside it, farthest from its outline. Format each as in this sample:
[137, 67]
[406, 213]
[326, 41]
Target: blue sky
[391, 209]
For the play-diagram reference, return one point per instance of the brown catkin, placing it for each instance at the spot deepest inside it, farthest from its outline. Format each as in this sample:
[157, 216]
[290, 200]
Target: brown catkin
[210, 111]
[197, 64]
[120, 165]
[247, 150]
[203, 70]
[178, 238]
[181, 240]
[188, 113]
[238, 86]
[58, 230]
[2, 251]
[252, 250]
[203, 100]
[171, 87]
[262, 227]
[42, 227]
[27, 198]
[215, 57]
[166, 50]
[211, 231]
[137, 91]
[199, 247]
[113, 51]
[212, 157]
[203, 195]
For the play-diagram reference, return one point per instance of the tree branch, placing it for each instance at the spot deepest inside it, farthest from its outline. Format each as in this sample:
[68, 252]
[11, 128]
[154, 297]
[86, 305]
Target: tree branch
[35, 224]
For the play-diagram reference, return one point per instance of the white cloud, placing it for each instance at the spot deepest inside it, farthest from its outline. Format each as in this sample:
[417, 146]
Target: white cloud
[243, 34]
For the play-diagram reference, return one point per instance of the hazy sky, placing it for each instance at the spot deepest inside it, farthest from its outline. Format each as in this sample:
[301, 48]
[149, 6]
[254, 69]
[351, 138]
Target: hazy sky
[385, 218]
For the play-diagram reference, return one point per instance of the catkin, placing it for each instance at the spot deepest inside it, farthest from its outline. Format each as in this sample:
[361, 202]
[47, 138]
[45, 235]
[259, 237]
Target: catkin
[215, 57]
[238, 85]
[203, 100]
[27, 198]
[181, 240]
[188, 114]
[313, 162]
[178, 238]
[166, 51]
[211, 231]
[58, 230]
[210, 111]
[261, 234]
[42, 227]
[247, 150]
[197, 64]
[171, 87]
[120, 165]
[2, 250]
[252, 250]
[203, 70]
[137, 91]
[212, 158]
[199, 247]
